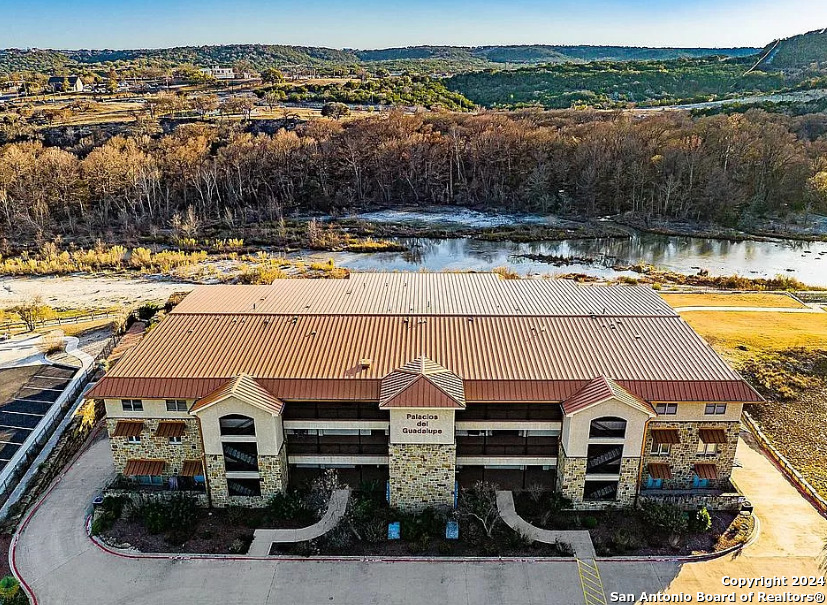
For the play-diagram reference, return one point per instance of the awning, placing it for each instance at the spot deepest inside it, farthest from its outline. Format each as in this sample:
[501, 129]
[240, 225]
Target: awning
[192, 468]
[666, 436]
[706, 471]
[128, 429]
[144, 467]
[171, 429]
[713, 435]
[660, 471]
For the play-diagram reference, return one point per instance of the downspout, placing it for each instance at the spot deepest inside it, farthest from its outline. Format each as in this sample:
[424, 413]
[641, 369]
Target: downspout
[640, 464]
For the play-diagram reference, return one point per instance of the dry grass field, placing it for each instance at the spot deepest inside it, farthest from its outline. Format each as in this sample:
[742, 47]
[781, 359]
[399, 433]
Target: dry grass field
[785, 356]
[746, 299]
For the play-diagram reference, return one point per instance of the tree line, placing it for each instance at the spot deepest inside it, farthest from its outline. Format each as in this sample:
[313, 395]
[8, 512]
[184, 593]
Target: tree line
[723, 169]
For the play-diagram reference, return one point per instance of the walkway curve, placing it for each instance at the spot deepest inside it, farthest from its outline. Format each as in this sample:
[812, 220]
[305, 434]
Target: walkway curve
[579, 539]
[263, 539]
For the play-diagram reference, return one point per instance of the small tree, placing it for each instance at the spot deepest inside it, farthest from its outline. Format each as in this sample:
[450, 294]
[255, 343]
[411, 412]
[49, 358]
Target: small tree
[9, 587]
[272, 75]
[480, 504]
[335, 110]
[34, 312]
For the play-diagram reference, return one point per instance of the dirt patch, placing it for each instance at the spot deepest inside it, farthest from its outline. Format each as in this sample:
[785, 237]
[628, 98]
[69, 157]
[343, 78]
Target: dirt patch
[5, 542]
[798, 428]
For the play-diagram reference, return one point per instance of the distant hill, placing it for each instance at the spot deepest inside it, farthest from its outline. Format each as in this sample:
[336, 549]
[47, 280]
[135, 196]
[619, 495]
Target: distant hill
[420, 58]
[798, 52]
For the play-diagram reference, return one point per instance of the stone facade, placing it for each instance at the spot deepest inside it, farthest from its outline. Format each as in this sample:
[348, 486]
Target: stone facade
[571, 476]
[273, 473]
[422, 475]
[156, 448]
[683, 456]
[571, 482]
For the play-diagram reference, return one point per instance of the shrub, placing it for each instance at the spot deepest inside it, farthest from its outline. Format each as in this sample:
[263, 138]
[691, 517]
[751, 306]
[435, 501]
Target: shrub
[241, 544]
[665, 517]
[289, 506]
[147, 310]
[700, 522]
[9, 588]
[589, 522]
[179, 513]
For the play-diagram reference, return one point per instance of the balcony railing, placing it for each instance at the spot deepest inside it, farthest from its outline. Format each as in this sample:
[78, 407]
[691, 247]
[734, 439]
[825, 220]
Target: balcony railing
[539, 447]
[338, 445]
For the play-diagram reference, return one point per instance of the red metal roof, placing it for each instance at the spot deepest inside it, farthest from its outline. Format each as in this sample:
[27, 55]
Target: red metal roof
[659, 470]
[706, 471]
[245, 388]
[171, 429]
[128, 428]
[192, 468]
[602, 389]
[144, 467]
[666, 436]
[497, 344]
[422, 383]
[421, 393]
[713, 435]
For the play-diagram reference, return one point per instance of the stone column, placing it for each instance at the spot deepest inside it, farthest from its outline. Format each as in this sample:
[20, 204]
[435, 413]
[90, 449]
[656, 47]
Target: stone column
[422, 459]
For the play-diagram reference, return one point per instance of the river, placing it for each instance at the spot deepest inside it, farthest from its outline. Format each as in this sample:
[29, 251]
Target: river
[805, 261]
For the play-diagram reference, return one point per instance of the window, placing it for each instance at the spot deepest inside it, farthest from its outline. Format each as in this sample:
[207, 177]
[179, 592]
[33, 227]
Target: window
[133, 439]
[176, 405]
[237, 425]
[600, 491]
[652, 483]
[244, 487]
[715, 408]
[697, 482]
[149, 479]
[661, 449]
[175, 440]
[132, 405]
[668, 409]
[608, 427]
[707, 449]
[240, 457]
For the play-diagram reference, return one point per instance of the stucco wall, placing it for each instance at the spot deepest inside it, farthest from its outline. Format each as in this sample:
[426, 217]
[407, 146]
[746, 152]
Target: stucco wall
[269, 432]
[575, 437]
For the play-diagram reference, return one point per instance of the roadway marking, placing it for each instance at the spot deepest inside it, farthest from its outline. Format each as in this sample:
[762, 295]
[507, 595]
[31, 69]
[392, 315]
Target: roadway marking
[591, 583]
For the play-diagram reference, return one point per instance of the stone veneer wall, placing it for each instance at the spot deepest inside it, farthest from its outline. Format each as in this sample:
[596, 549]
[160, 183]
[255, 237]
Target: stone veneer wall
[156, 448]
[684, 456]
[571, 482]
[422, 475]
[273, 473]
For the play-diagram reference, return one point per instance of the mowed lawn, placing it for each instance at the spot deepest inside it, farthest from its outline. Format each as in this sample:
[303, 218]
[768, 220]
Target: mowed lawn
[745, 299]
[730, 332]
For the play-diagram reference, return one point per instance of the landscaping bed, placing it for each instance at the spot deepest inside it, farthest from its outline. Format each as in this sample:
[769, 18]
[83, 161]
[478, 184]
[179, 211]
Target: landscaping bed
[177, 525]
[654, 530]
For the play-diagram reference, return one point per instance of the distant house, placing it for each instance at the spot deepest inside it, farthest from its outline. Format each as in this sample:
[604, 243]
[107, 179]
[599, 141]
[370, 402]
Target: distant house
[58, 83]
[219, 73]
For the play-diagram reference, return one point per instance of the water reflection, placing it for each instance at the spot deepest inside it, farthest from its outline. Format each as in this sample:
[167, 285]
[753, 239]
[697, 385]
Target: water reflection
[806, 261]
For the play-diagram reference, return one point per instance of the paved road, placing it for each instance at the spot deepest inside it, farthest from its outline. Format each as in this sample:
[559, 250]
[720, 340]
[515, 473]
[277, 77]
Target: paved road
[64, 567]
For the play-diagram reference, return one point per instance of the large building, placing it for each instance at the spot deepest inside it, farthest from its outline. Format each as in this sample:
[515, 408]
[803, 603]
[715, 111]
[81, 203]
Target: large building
[428, 382]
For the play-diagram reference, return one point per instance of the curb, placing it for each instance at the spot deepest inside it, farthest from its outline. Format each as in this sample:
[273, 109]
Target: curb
[22, 527]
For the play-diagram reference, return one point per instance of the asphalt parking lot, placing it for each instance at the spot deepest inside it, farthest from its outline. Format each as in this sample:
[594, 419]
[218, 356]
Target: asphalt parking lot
[22, 412]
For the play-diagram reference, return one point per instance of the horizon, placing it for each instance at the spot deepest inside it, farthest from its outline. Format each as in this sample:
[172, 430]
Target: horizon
[119, 25]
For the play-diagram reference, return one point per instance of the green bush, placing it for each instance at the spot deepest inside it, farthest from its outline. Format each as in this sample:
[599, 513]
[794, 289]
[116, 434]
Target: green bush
[179, 513]
[589, 522]
[426, 524]
[700, 522]
[665, 517]
[147, 310]
[289, 506]
[9, 588]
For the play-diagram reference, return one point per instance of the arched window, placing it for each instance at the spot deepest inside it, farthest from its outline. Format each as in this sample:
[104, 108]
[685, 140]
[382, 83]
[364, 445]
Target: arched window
[234, 424]
[608, 427]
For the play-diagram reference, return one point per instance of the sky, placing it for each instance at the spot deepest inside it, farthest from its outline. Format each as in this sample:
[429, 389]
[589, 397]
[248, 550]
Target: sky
[366, 24]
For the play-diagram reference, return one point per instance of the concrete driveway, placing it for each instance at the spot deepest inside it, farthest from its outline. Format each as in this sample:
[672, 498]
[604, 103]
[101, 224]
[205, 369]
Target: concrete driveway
[64, 567]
